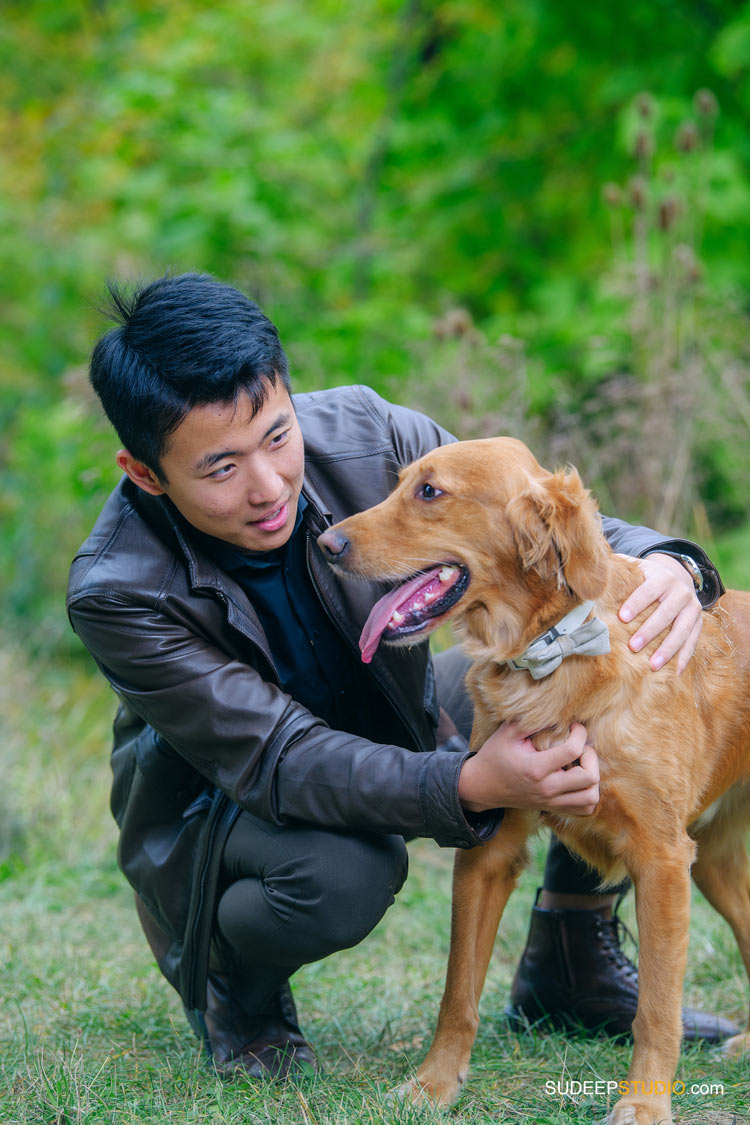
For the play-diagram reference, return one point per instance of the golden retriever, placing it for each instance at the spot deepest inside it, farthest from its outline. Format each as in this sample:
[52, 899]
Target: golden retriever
[505, 549]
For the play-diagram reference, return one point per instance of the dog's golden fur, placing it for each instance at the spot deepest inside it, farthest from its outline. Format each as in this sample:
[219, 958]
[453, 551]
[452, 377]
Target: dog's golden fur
[674, 750]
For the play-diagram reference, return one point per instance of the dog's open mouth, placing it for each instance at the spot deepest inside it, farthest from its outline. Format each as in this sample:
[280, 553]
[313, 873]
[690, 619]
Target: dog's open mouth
[412, 607]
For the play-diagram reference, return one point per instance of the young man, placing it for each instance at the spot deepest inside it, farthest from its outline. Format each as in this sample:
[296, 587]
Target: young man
[264, 779]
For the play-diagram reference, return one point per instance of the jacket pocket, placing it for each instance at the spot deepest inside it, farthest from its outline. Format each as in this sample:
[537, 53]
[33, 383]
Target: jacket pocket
[201, 804]
[165, 769]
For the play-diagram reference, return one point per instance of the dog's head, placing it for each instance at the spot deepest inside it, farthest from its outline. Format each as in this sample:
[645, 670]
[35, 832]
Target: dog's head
[480, 533]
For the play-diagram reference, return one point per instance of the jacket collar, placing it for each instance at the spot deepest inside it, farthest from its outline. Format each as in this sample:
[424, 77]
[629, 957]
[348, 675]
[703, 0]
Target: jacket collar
[168, 523]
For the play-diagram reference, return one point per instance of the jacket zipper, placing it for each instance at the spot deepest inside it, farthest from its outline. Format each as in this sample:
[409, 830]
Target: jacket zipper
[220, 819]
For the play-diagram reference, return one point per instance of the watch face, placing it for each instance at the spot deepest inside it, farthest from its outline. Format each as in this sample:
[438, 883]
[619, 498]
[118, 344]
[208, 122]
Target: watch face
[693, 569]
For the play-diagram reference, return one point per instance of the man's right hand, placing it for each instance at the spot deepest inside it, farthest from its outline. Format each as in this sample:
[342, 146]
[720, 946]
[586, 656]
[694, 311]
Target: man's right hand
[509, 772]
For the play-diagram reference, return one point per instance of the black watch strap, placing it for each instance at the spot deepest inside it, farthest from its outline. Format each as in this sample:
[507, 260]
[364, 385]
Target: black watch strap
[696, 562]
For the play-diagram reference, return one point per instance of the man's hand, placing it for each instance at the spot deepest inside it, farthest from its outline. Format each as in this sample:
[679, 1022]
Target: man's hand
[509, 772]
[669, 588]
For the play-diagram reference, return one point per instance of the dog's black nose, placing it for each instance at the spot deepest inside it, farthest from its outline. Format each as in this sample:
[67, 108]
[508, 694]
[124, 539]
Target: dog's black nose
[334, 545]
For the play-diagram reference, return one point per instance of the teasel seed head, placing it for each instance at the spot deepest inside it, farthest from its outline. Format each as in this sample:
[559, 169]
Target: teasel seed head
[669, 209]
[705, 104]
[612, 195]
[687, 138]
[637, 193]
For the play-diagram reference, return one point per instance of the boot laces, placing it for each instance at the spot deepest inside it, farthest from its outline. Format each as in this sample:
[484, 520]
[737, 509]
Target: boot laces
[611, 932]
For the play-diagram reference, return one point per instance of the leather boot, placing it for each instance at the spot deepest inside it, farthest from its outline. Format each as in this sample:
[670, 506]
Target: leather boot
[574, 974]
[269, 1045]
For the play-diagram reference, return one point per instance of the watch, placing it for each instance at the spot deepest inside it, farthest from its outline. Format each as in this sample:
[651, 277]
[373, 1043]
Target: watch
[690, 565]
[706, 579]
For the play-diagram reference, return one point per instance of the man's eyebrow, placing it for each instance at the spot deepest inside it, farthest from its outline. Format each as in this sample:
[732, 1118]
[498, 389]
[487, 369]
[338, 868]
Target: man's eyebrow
[211, 458]
[282, 419]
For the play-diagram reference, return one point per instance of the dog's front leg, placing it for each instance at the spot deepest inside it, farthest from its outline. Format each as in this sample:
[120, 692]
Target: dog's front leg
[483, 880]
[662, 887]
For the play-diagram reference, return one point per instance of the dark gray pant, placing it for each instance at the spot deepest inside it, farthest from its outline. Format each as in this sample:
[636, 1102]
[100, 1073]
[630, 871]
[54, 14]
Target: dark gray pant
[295, 894]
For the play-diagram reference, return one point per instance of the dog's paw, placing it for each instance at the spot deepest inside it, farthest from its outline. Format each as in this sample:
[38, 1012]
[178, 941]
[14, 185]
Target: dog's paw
[622, 1115]
[737, 1045]
[423, 1091]
[641, 1111]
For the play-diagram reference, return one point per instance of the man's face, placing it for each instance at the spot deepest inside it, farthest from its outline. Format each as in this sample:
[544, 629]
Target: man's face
[232, 475]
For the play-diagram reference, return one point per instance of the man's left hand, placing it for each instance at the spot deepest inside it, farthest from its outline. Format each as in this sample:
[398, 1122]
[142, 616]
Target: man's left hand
[668, 587]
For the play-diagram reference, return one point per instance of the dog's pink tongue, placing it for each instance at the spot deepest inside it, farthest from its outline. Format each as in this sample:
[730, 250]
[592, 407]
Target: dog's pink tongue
[381, 612]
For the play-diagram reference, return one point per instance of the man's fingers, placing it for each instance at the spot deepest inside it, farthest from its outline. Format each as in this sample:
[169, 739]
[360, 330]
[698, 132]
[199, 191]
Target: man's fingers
[688, 648]
[647, 592]
[580, 804]
[671, 644]
[666, 581]
[640, 599]
[564, 752]
[572, 781]
[590, 762]
[682, 609]
[675, 611]
[576, 790]
[683, 627]
[654, 624]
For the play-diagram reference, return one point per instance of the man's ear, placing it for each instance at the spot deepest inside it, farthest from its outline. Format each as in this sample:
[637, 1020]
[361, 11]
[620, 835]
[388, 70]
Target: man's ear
[139, 473]
[558, 533]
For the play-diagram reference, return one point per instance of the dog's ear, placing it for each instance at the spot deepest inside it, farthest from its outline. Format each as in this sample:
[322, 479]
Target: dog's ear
[557, 530]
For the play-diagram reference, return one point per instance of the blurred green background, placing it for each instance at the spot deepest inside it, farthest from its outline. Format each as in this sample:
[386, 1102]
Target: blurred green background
[531, 217]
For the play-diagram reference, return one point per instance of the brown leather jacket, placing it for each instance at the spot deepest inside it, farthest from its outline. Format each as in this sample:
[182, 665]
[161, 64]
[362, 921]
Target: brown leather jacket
[203, 729]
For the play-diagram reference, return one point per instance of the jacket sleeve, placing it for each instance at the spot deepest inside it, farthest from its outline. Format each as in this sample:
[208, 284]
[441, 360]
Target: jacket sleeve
[410, 433]
[268, 753]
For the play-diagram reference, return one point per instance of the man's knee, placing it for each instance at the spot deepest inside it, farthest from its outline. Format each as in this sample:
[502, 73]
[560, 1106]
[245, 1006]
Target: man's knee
[358, 881]
[327, 893]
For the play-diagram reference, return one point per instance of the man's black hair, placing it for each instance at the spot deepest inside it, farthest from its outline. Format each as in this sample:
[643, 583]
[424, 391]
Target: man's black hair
[182, 341]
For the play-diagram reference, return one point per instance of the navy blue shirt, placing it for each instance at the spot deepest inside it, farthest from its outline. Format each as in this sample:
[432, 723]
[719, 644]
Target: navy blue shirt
[314, 663]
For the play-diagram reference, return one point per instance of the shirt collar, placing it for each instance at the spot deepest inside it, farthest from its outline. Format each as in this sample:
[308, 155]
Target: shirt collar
[232, 558]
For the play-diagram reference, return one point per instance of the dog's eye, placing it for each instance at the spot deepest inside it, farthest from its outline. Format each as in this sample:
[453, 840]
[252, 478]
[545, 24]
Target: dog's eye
[428, 492]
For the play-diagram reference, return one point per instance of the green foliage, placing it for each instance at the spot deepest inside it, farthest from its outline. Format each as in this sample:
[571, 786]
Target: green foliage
[360, 170]
[58, 468]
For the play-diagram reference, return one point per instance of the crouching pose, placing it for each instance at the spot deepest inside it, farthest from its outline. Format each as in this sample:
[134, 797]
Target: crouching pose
[265, 779]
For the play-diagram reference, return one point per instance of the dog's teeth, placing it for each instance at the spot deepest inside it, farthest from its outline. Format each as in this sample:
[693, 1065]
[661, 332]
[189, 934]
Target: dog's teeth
[429, 597]
[447, 573]
[396, 617]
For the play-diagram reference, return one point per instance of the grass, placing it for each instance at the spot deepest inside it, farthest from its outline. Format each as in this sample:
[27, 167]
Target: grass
[91, 1032]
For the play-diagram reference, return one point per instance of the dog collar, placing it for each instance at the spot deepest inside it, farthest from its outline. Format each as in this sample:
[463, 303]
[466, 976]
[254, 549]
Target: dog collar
[572, 635]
